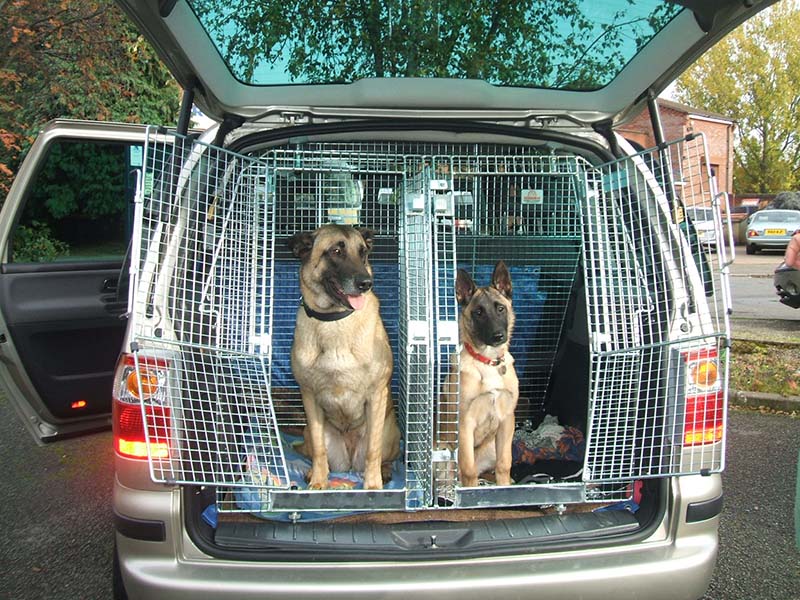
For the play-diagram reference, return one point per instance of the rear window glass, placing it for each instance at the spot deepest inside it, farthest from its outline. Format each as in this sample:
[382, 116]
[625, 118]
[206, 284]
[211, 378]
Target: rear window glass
[560, 44]
[777, 217]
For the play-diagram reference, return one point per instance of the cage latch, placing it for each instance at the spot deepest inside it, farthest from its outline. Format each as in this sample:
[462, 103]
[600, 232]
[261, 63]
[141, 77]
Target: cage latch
[443, 455]
[447, 332]
[442, 197]
[418, 333]
[415, 203]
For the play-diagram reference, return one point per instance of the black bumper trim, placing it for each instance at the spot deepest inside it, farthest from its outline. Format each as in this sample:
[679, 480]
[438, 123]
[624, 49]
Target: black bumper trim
[140, 529]
[702, 511]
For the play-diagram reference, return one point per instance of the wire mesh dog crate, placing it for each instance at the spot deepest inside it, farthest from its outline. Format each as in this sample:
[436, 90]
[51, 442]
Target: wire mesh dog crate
[215, 294]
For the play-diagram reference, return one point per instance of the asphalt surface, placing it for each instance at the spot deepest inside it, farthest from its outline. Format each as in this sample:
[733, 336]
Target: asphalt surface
[55, 514]
[758, 315]
[758, 559]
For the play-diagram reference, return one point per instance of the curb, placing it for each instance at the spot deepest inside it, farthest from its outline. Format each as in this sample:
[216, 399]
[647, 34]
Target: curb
[761, 399]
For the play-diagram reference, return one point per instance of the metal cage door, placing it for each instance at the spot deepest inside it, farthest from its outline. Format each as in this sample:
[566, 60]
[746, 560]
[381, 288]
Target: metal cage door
[657, 304]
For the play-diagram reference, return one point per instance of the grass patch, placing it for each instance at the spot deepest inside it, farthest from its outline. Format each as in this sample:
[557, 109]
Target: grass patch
[765, 367]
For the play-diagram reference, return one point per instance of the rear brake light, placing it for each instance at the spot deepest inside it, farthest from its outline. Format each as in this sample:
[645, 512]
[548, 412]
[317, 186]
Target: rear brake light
[129, 433]
[704, 415]
[704, 419]
[140, 395]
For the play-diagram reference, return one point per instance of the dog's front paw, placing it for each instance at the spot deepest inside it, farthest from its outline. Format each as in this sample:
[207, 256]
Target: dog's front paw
[503, 479]
[469, 480]
[317, 479]
[373, 480]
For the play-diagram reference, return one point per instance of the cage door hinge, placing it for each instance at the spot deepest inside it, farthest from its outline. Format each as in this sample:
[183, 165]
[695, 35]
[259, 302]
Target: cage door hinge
[260, 343]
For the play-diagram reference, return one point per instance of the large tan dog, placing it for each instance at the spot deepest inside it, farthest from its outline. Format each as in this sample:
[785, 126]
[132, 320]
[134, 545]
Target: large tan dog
[488, 385]
[342, 360]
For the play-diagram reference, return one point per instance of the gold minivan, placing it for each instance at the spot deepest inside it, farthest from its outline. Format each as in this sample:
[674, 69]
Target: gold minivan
[150, 283]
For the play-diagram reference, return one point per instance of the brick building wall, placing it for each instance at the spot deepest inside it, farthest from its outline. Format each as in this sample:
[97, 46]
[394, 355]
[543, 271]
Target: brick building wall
[678, 120]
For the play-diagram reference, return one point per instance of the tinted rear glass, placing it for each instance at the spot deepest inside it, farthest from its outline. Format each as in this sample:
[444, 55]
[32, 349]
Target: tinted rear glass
[560, 44]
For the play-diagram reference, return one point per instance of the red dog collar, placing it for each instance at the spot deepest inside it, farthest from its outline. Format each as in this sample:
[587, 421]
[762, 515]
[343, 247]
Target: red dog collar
[494, 362]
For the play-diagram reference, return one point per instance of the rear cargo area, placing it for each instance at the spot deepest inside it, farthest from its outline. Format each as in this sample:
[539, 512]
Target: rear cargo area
[601, 417]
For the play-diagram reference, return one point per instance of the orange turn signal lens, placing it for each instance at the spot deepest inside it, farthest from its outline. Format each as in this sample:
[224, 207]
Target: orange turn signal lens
[142, 385]
[704, 373]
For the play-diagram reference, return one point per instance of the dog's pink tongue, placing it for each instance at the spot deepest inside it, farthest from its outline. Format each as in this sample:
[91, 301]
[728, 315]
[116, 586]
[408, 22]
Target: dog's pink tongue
[357, 302]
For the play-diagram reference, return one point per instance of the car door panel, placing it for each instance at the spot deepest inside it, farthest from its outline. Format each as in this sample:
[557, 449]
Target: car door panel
[62, 316]
[70, 360]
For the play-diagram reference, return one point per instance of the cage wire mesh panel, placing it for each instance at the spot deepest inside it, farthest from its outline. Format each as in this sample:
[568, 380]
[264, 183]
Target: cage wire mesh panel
[217, 292]
[416, 398]
[524, 210]
[639, 283]
[510, 204]
[311, 186]
[202, 280]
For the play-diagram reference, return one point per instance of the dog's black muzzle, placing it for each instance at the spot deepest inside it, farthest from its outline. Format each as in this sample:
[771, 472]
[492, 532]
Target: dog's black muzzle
[492, 332]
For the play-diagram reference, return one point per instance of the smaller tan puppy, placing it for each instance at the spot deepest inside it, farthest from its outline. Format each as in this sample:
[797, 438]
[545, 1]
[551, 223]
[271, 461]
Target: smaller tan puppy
[342, 359]
[489, 388]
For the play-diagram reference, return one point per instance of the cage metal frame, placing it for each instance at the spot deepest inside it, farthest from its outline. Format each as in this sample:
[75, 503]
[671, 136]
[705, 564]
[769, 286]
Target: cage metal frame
[422, 194]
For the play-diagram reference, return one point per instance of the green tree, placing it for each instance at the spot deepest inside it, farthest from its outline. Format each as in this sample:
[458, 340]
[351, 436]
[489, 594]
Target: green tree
[752, 76]
[552, 43]
[74, 58]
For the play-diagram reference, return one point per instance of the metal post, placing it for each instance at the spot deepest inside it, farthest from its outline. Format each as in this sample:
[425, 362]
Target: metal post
[186, 110]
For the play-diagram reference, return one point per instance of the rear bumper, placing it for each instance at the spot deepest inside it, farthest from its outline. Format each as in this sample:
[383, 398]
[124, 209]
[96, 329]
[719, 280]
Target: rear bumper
[675, 562]
[773, 242]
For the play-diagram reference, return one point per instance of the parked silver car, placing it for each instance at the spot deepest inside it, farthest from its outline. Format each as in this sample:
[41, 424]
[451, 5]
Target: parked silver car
[771, 229]
[460, 135]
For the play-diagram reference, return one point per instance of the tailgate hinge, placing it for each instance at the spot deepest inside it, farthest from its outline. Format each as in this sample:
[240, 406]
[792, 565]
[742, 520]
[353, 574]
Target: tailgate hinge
[294, 118]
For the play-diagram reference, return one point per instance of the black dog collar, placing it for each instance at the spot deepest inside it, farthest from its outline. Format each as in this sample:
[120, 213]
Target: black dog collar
[319, 316]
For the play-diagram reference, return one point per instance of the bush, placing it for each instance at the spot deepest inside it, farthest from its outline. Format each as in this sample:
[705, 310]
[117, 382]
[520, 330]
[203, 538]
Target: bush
[789, 200]
[35, 243]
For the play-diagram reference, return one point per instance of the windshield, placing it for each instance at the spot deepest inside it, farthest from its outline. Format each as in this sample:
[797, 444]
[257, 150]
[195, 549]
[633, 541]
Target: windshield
[559, 44]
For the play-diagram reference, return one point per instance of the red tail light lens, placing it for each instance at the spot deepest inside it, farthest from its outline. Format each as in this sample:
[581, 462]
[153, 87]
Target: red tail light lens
[140, 392]
[129, 432]
[704, 419]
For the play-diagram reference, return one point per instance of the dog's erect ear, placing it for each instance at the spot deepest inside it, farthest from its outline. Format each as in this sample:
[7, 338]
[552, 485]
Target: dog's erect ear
[301, 243]
[368, 236]
[465, 287]
[501, 279]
